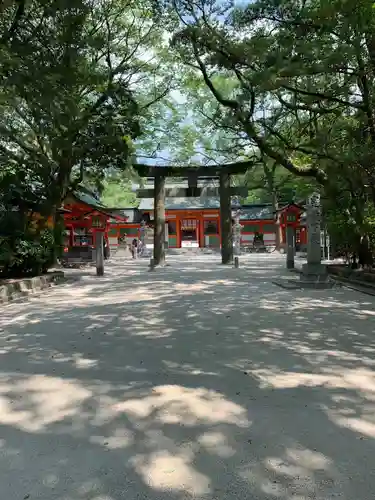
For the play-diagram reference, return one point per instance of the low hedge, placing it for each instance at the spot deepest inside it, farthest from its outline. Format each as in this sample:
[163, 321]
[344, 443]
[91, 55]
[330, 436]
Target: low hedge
[29, 254]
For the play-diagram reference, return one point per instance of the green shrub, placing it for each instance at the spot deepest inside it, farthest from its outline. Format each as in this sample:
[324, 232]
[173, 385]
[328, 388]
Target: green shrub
[346, 233]
[26, 244]
[28, 254]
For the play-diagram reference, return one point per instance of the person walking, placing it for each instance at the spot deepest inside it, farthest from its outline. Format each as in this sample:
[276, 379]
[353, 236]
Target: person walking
[139, 248]
[134, 248]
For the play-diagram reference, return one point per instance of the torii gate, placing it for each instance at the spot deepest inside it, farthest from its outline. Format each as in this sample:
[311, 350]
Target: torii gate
[225, 192]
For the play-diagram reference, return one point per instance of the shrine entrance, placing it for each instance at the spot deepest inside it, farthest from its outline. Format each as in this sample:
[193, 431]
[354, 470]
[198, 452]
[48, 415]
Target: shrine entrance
[189, 233]
[192, 233]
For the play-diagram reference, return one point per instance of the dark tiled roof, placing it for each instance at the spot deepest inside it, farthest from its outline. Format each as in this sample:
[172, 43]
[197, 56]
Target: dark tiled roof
[257, 212]
[248, 212]
[183, 203]
[133, 214]
[88, 199]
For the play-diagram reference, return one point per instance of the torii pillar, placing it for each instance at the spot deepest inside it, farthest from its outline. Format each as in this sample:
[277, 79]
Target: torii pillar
[159, 220]
[226, 219]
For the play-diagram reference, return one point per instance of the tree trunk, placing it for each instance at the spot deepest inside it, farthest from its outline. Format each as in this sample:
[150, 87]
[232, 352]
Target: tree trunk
[226, 219]
[58, 196]
[159, 220]
[58, 228]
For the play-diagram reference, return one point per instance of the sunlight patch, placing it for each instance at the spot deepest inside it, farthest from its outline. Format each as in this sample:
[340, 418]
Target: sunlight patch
[122, 438]
[359, 425]
[174, 404]
[361, 379]
[217, 444]
[35, 402]
[166, 472]
[312, 460]
[187, 368]
[84, 363]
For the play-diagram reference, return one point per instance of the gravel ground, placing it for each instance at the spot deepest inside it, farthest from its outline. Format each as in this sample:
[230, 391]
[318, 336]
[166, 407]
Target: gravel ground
[193, 381]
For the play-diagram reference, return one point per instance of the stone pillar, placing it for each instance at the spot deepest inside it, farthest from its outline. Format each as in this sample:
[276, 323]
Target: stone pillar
[237, 234]
[159, 220]
[142, 235]
[314, 270]
[290, 247]
[99, 252]
[226, 219]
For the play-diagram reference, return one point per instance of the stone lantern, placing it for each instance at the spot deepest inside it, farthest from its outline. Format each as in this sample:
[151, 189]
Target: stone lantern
[98, 223]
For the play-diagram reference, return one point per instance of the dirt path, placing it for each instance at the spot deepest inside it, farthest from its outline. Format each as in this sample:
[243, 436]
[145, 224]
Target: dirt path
[196, 381]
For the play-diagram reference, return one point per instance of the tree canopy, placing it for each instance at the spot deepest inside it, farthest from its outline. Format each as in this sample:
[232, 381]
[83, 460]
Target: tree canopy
[75, 80]
[88, 88]
[290, 84]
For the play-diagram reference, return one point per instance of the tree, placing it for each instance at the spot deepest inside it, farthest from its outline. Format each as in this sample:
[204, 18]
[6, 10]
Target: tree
[118, 193]
[75, 79]
[301, 87]
[67, 97]
[326, 77]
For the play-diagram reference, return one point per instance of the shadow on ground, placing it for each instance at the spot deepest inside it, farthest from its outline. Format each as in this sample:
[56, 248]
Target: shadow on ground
[196, 381]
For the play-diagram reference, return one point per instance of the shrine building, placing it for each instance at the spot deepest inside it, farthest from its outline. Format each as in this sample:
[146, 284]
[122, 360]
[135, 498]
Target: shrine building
[194, 222]
[191, 222]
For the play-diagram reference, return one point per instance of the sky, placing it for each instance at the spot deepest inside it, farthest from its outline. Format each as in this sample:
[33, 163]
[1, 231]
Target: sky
[163, 155]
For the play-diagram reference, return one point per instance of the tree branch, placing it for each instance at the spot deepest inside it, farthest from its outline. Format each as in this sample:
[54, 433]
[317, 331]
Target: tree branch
[250, 130]
[225, 102]
[282, 160]
[300, 107]
[15, 23]
[323, 97]
[157, 99]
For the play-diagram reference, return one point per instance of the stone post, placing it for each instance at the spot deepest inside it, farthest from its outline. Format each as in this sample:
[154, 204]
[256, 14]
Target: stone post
[290, 246]
[159, 220]
[99, 252]
[328, 246]
[314, 270]
[142, 235]
[225, 219]
[237, 234]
